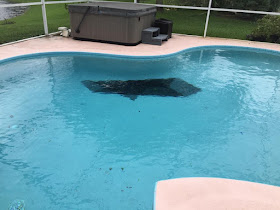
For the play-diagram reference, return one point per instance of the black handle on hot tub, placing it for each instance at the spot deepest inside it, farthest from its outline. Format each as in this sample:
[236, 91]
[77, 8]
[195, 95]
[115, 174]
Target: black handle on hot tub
[78, 28]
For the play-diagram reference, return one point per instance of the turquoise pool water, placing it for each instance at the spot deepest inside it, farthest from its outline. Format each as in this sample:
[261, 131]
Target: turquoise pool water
[65, 147]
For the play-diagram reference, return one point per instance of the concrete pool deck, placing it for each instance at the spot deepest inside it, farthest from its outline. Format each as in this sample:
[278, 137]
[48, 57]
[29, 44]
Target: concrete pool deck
[215, 193]
[177, 43]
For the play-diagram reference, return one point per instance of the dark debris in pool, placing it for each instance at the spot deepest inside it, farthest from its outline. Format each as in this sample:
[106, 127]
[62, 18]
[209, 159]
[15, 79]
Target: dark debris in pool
[173, 87]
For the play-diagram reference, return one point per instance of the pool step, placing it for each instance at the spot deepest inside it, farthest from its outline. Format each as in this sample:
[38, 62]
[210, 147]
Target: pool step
[152, 36]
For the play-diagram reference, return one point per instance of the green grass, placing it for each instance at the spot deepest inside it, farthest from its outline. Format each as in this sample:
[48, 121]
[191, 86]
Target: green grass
[185, 22]
[193, 22]
[221, 25]
[24, 26]
[31, 23]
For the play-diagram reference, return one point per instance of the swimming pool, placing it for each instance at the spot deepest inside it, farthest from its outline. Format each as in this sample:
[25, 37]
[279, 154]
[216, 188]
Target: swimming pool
[63, 146]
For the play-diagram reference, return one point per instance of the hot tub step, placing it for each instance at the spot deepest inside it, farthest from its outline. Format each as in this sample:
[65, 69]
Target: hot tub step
[152, 36]
[162, 37]
[152, 31]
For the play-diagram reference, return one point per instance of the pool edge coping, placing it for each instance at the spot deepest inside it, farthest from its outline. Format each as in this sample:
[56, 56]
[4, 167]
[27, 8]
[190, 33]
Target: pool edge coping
[207, 178]
[141, 57]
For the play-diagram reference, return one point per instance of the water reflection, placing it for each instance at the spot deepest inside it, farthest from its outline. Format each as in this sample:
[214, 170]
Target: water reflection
[10, 12]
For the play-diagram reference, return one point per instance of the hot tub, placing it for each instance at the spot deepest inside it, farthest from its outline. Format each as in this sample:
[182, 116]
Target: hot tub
[114, 22]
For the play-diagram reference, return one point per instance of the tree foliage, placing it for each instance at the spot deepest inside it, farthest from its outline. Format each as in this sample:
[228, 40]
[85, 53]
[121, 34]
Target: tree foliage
[268, 30]
[261, 5]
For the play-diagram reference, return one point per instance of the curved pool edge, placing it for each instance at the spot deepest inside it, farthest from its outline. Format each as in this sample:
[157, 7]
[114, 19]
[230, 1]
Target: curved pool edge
[203, 191]
[141, 57]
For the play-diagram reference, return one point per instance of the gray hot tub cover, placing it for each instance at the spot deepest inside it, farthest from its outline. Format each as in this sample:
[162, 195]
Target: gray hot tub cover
[113, 8]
